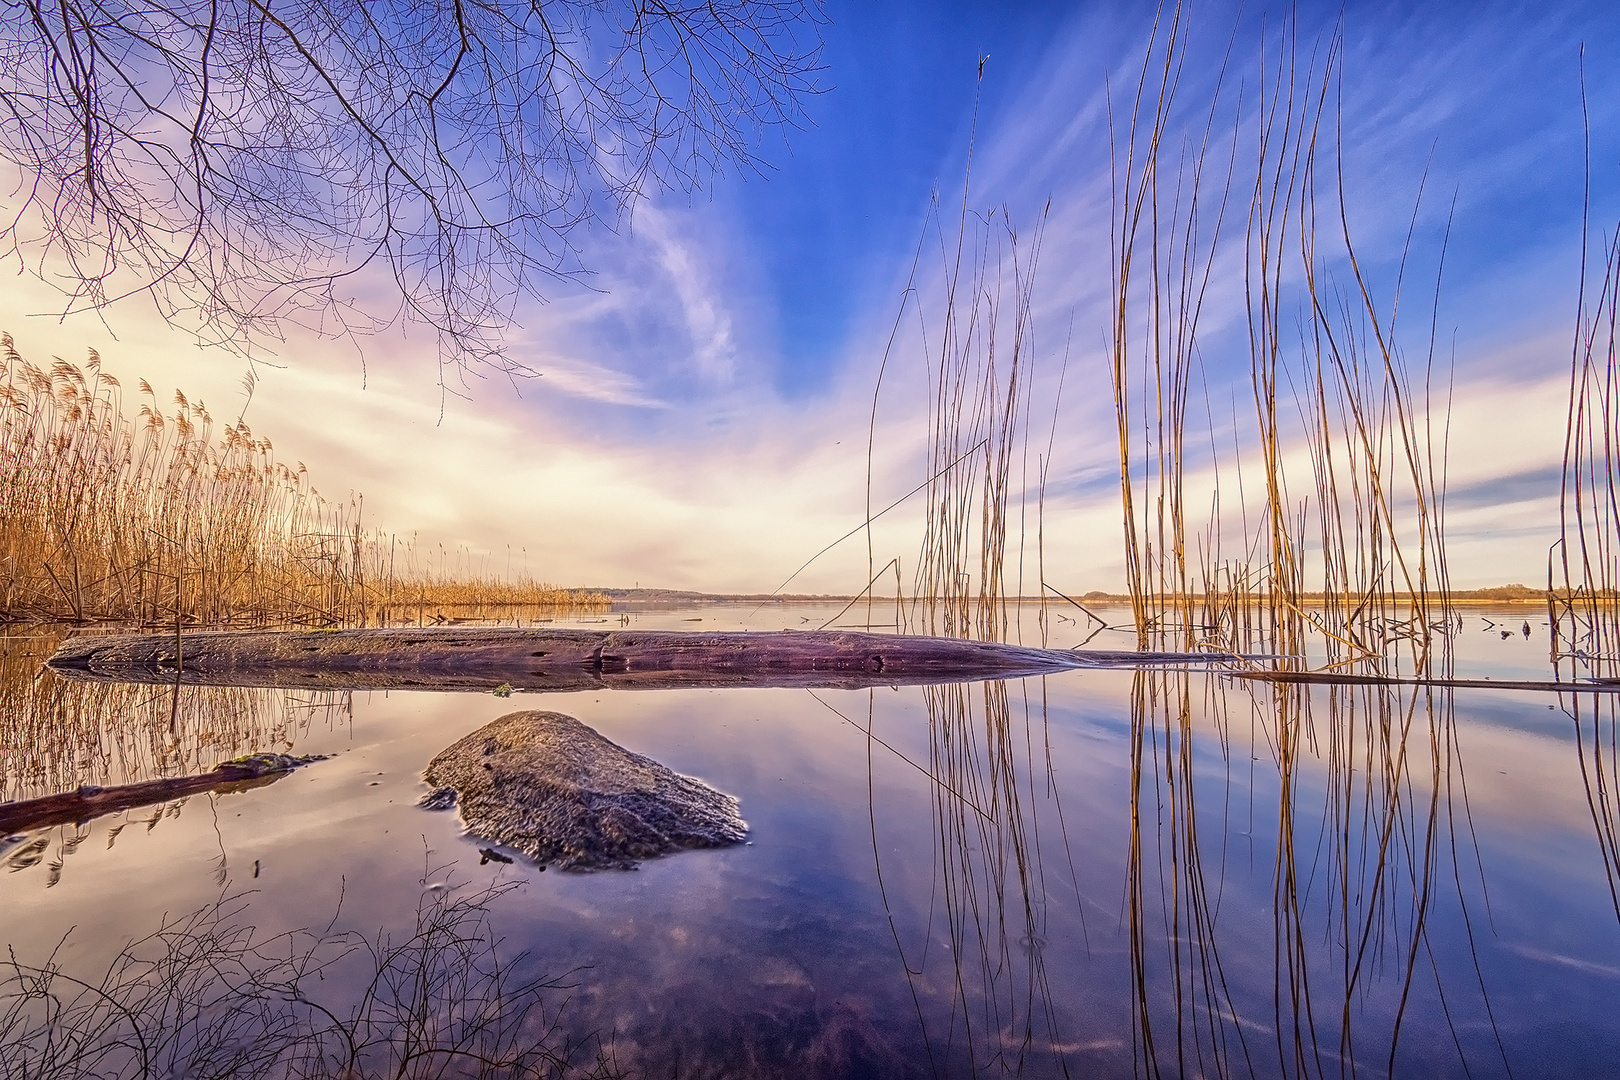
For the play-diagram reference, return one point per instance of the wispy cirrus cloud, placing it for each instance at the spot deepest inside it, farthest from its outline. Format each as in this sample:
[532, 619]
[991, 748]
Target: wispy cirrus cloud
[714, 348]
[592, 382]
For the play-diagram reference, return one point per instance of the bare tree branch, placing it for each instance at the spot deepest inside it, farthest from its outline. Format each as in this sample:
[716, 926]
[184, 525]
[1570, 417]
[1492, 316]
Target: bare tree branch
[251, 165]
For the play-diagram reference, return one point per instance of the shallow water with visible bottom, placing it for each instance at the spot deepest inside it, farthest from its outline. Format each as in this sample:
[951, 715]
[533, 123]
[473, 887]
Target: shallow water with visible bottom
[1094, 874]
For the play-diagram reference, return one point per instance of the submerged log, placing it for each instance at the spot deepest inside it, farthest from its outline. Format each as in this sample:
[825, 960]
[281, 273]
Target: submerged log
[485, 658]
[90, 801]
[1334, 678]
[545, 784]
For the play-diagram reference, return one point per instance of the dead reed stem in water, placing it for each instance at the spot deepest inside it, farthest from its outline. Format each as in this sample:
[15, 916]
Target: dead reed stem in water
[979, 384]
[168, 520]
[1334, 402]
[208, 995]
[1583, 568]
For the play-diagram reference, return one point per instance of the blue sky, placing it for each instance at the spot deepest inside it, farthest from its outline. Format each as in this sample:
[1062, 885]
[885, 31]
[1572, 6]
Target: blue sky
[850, 190]
[701, 419]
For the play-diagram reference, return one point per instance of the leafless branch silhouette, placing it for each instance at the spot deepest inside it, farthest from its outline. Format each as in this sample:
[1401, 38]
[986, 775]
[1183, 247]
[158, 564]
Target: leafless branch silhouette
[251, 165]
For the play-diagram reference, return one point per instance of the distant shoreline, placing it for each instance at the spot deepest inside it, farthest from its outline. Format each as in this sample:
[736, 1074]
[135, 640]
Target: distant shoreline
[1506, 594]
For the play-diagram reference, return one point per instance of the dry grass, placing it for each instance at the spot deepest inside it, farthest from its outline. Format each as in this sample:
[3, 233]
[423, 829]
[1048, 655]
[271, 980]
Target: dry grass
[209, 995]
[170, 518]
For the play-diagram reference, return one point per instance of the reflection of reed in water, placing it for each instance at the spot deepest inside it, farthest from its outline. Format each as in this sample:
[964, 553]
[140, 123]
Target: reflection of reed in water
[1597, 735]
[206, 995]
[989, 885]
[1205, 1019]
[56, 734]
[1371, 838]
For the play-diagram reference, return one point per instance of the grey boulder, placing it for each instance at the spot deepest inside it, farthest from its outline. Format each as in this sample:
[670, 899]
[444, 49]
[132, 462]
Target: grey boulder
[545, 784]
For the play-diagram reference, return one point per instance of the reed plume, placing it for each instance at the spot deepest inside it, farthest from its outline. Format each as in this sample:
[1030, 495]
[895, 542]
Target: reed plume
[171, 518]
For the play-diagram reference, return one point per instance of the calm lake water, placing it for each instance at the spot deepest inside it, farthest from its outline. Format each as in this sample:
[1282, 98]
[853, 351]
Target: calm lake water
[1095, 874]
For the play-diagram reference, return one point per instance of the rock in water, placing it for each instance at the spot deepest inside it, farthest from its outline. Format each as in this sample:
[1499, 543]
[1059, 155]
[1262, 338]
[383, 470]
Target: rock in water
[550, 787]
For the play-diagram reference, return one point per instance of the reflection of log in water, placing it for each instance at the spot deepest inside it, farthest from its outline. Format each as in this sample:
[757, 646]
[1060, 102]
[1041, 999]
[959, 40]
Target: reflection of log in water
[564, 660]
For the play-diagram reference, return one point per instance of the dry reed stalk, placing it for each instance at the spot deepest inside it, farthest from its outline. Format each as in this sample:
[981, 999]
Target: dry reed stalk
[979, 385]
[1583, 568]
[1334, 401]
[1159, 331]
[1584, 565]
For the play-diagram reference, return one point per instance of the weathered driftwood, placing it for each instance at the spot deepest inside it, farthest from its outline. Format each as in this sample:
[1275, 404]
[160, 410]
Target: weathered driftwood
[1334, 678]
[89, 801]
[484, 658]
[545, 784]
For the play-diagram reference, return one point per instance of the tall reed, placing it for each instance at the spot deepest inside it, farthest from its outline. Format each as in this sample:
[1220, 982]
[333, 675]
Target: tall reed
[978, 339]
[1584, 565]
[1335, 407]
[1583, 571]
[171, 518]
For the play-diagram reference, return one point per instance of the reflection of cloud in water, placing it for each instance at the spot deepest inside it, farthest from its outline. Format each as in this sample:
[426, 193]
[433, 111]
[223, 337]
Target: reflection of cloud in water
[1584, 966]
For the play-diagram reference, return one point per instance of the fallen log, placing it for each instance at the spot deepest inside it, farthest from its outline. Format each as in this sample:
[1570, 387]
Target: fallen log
[486, 658]
[90, 801]
[1334, 678]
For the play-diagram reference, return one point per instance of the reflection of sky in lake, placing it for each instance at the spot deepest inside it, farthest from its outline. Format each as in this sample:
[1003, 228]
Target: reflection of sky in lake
[1007, 891]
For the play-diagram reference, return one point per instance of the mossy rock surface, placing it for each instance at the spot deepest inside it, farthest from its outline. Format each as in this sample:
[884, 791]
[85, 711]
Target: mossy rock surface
[545, 784]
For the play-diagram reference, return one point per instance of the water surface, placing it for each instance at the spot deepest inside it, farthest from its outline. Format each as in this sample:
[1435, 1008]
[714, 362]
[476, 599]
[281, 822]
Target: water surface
[1101, 873]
